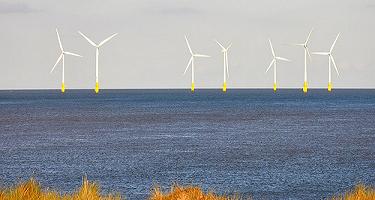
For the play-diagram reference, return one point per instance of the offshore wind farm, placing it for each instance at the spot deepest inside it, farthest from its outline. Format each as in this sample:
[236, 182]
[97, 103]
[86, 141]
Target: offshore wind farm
[187, 100]
[225, 61]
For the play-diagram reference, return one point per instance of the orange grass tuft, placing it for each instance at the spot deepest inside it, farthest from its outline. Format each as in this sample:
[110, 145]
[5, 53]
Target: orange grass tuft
[31, 190]
[360, 192]
[187, 193]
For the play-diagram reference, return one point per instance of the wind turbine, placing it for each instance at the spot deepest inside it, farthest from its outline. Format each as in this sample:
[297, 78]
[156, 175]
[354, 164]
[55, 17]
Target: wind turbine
[97, 46]
[226, 66]
[330, 59]
[305, 47]
[191, 61]
[273, 62]
[62, 57]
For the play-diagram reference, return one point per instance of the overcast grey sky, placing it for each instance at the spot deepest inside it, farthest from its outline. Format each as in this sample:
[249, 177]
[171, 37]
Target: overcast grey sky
[150, 51]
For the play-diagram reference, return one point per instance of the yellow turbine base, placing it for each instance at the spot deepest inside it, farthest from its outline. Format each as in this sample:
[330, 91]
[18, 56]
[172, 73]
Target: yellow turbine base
[97, 88]
[274, 87]
[225, 87]
[329, 87]
[62, 88]
[192, 87]
[305, 87]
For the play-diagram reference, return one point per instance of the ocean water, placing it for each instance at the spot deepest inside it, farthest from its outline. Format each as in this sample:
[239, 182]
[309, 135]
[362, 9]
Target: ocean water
[251, 142]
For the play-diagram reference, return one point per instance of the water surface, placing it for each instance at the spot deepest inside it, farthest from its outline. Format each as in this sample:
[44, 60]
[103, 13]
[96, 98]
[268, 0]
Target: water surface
[273, 146]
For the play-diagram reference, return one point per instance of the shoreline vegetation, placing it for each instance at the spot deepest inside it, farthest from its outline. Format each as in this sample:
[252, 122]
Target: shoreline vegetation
[32, 190]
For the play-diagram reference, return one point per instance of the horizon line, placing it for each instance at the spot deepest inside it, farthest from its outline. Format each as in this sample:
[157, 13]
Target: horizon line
[203, 88]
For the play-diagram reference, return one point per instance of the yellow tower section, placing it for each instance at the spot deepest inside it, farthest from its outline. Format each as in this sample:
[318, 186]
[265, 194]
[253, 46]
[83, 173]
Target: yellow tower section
[329, 87]
[274, 87]
[305, 87]
[62, 87]
[97, 87]
[225, 87]
[192, 87]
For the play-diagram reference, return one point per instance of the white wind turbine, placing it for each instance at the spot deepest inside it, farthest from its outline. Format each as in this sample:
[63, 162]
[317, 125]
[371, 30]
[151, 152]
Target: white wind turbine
[273, 62]
[62, 57]
[191, 61]
[97, 57]
[330, 59]
[226, 65]
[307, 53]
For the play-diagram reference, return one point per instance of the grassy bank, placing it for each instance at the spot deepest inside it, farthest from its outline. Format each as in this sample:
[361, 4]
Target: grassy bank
[32, 190]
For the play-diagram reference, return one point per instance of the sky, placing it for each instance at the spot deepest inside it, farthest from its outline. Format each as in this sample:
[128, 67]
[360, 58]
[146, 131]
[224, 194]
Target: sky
[150, 51]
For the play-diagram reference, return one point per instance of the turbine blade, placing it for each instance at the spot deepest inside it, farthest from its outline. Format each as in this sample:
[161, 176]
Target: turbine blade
[308, 37]
[333, 45]
[191, 59]
[273, 52]
[321, 53]
[284, 59]
[201, 56]
[58, 38]
[334, 64]
[84, 36]
[58, 60]
[222, 47]
[269, 67]
[230, 45]
[187, 42]
[106, 40]
[308, 53]
[73, 54]
[296, 44]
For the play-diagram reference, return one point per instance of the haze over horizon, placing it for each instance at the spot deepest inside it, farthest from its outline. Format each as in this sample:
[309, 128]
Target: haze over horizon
[150, 49]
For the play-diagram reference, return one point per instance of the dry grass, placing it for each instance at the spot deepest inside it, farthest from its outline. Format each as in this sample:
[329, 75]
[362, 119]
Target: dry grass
[31, 190]
[187, 193]
[360, 192]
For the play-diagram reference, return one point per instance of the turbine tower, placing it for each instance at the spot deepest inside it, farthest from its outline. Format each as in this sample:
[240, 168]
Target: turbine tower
[226, 66]
[97, 57]
[62, 57]
[191, 62]
[330, 59]
[307, 53]
[273, 62]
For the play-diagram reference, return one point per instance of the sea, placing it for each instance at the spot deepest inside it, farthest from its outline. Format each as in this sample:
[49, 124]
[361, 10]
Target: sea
[249, 142]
